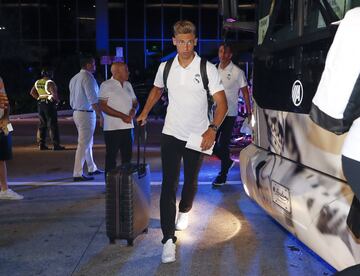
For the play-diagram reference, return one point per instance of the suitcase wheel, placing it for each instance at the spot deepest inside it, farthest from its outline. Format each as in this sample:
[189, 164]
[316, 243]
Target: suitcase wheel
[111, 240]
[146, 230]
[130, 242]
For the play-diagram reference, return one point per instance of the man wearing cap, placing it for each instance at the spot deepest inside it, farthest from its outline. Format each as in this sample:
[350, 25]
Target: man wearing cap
[45, 92]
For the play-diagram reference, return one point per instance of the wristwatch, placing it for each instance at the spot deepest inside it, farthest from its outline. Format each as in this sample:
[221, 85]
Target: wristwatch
[213, 127]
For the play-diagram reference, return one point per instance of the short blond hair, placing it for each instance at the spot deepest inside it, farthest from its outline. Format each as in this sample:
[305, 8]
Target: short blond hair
[184, 27]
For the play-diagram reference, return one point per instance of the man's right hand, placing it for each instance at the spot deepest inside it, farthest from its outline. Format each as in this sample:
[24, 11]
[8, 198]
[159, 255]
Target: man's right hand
[127, 119]
[141, 119]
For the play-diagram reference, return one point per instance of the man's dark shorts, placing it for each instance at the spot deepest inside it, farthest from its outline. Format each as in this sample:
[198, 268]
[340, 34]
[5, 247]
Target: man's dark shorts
[5, 147]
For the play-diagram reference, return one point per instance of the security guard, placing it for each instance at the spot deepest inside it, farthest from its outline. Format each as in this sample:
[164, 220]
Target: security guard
[45, 92]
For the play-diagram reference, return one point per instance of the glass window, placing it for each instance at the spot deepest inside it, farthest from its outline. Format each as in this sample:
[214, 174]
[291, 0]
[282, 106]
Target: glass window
[49, 19]
[350, 4]
[284, 24]
[10, 19]
[68, 47]
[67, 12]
[313, 18]
[87, 28]
[116, 21]
[134, 58]
[49, 50]
[153, 53]
[339, 7]
[190, 2]
[86, 18]
[30, 20]
[153, 22]
[87, 46]
[209, 30]
[135, 16]
[171, 15]
[213, 2]
[169, 49]
[192, 15]
[290, 69]
[171, 2]
[209, 50]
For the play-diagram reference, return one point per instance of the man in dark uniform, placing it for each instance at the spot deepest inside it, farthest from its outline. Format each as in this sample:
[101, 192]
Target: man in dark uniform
[45, 92]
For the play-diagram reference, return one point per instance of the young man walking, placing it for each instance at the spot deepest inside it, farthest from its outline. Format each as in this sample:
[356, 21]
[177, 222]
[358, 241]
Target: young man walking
[234, 81]
[187, 113]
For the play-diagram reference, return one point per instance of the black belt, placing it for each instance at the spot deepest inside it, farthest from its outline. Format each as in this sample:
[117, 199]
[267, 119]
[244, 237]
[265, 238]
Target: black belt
[82, 110]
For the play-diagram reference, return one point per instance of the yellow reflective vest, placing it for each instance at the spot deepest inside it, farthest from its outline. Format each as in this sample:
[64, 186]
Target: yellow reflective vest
[41, 87]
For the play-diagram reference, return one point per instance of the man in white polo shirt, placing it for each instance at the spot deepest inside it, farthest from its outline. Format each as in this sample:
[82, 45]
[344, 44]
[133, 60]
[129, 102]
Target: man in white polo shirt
[118, 103]
[234, 81]
[186, 114]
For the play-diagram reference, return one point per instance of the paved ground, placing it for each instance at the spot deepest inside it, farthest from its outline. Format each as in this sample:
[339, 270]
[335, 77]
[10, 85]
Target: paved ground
[58, 229]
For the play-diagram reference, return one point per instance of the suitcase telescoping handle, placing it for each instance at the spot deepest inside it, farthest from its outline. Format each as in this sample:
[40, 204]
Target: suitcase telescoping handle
[141, 130]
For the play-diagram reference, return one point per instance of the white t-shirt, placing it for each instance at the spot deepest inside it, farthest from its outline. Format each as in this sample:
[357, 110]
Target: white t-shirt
[187, 110]
[119, 98]
[2, 90]
[233, 79]
[342, 67]
[351, 147]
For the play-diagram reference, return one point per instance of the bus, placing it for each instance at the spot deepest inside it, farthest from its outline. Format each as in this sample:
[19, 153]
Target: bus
[292, 169]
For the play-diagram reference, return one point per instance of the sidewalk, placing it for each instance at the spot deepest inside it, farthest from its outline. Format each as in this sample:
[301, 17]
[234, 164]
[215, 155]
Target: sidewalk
[59, 229]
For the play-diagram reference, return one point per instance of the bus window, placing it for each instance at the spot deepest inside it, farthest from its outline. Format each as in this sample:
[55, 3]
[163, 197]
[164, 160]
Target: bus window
[265, 10]
[284, 24]
[353, 4]
[289, 62]
[339, 7]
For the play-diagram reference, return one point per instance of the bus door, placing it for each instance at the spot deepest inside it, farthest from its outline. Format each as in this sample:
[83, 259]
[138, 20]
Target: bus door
[293, 37]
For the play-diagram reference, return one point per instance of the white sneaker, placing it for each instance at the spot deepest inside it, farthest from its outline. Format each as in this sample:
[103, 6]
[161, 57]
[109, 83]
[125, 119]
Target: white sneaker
[10, 194]
[168, 254]
[182, 221]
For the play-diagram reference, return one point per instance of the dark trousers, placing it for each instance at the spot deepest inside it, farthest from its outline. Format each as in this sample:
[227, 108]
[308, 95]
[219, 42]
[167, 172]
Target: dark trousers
[351, 169]
[172, 151]
[115, 140]
[5, 146]
[48, 119]
[223, 136]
